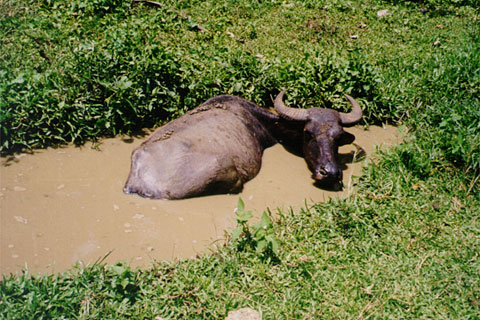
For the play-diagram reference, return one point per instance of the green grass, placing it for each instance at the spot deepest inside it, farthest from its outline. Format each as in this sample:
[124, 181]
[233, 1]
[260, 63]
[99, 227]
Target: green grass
[75, 71]
[405, 245]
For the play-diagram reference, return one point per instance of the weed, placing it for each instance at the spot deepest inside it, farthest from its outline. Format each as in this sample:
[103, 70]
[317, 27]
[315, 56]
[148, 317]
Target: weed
[260, 237]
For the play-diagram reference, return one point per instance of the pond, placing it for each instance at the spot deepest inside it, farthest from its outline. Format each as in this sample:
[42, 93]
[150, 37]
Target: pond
[60, 206]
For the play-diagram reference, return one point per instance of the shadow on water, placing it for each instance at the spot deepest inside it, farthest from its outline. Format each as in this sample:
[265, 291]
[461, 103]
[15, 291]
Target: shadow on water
[353, 156]
[13, 156]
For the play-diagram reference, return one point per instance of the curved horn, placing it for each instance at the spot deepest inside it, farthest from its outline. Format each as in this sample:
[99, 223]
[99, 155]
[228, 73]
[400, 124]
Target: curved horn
[353, 116]
[287, 112]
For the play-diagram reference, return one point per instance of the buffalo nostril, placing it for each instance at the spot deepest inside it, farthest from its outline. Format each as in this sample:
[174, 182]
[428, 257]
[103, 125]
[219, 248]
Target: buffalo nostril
[319, 174]
[322, 171]
[332, 170]
[327, 172]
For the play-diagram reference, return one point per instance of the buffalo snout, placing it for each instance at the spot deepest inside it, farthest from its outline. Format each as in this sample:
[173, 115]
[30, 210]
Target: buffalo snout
[329, 173]
[330, 170]
[332, 182]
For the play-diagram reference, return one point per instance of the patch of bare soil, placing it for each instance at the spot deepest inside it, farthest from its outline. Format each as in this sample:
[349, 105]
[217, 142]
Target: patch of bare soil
[60, 206]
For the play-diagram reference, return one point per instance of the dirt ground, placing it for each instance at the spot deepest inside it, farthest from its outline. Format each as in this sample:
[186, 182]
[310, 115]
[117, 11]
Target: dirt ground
[60, 206]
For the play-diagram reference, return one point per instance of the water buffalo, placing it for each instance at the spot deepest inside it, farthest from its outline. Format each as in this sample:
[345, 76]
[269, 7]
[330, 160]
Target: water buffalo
[218, 146]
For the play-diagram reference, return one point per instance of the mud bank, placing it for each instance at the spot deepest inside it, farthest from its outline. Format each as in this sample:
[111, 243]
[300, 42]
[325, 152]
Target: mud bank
[60, 206]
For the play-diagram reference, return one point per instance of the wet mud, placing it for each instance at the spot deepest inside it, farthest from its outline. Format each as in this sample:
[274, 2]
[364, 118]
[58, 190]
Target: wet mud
[66, 205]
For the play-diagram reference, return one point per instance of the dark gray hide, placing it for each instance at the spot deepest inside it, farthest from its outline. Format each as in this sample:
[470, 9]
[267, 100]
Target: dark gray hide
[218, 146]
[322, 135]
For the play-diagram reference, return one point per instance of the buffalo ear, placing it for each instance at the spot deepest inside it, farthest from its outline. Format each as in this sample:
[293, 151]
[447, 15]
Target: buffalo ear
[345, 138]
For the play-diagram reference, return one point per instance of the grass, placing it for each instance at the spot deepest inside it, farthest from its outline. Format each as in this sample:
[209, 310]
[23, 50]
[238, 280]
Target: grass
[85, 69]
[404, 245]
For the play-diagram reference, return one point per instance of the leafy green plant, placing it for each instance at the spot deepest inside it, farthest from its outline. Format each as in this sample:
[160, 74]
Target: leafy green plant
[122, 284]
[264, 236]
[242, 233]
[260, 237]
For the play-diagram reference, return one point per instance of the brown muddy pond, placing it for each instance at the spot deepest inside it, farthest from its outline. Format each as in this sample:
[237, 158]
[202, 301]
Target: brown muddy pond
[61, 206]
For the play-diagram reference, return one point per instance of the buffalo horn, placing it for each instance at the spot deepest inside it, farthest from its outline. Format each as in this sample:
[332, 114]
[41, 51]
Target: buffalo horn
[353, 116]
[287, 112]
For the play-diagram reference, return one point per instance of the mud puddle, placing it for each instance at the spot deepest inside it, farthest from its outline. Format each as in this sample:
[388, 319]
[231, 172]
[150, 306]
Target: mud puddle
[60, 206]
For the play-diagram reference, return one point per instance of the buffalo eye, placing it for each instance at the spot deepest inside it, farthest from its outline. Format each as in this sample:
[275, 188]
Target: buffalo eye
[307, 135]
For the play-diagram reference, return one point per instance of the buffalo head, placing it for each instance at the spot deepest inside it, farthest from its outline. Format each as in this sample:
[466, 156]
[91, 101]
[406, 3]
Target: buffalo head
[322, 135]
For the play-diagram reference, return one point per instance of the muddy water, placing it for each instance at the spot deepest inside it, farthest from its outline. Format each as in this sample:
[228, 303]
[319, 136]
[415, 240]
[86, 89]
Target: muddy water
[60, 206]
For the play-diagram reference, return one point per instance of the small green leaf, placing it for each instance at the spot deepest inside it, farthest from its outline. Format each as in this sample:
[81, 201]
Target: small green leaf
[236, 233]
[275, 246]
[261, 246]
[118, 269]
[244, 216]
[265, 221]
[260, 233]
[240, 211]
[19, 79]
[237, 87]
[240, 205]
[125, 282]
[123, 83]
